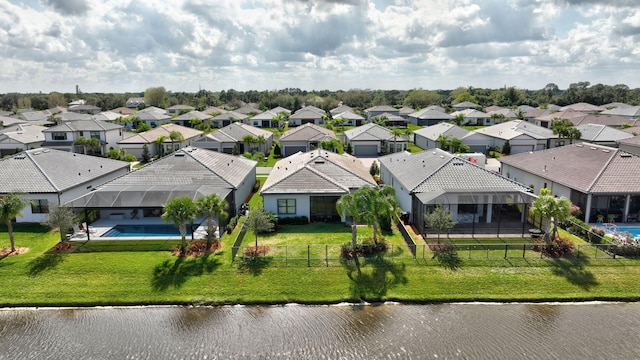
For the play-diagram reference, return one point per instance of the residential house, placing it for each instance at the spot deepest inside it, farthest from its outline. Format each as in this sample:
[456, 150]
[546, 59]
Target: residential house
[135, 103]
[544, 119]
[179, 109]
[405, 111]
[142, 194]
[152, 116]
[304, 139]
[135, 144]
[308, 114]
[473, 117]
[309, 184]
[49, 176]
[6, 121]
[428, 117]
[123, 111]
[473, 195]
[107, 116]
[601, 180]
[214, 110]
[630, 145]
[185, 119]
[521, 135]
[429, 137]
[280, 109]
[602, 134]
[248, 109]
[615, 121]
[465, 105]
[340, 109]
[372, 139]
[348, 118]
[379, 110]
[502, 115]
[84, 109]
[226, 118]
[393, 120]
[631, 112]
[65, 136]
[230, 139]
[21, 137]
[583, 107]
[263, 120]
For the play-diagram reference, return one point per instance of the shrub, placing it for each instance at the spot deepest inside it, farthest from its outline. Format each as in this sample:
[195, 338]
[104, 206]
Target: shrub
[625, 246]
[367, 249]
[61, 247]
[232, 224]
[276, 150]
[252, 251]
[446, 255]
[595, 235]
[198, 247]
[294, 220]
[561, 246]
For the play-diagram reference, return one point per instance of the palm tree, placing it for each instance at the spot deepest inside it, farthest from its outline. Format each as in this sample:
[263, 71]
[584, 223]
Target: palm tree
[160, 144]
[396, 132]
[82, 141]
[458, 119]
[11, 206]
[553, 209]
[443, 140]
[180, 211]
[380, 120]
[212, 206]
[564, 128]
[262, 141]
[175, 136]
[248, 140]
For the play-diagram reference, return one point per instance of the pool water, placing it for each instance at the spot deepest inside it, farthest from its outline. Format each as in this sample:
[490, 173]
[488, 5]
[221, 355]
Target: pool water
[634, 231]
[159, 230]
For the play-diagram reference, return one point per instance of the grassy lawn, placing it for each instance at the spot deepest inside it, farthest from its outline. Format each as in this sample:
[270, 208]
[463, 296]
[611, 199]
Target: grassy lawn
[137, 272]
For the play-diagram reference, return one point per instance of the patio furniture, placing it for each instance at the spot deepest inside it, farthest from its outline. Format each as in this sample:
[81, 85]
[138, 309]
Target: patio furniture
[88, 228]
[611, 218]
[599, 219]
[535, 233]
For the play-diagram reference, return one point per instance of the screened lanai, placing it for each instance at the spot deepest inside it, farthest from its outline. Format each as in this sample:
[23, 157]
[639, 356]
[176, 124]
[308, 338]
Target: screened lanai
[485, 212]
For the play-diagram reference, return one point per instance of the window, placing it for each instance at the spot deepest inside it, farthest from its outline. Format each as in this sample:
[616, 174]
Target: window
[286, 206]
[95, 135]
[39, 206]
[59, 136]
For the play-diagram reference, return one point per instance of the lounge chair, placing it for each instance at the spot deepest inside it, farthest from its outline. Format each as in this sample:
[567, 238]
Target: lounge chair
[77, 232]
[88, 228]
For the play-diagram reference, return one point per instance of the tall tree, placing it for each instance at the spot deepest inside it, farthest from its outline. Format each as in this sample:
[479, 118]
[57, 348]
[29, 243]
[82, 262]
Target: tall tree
[60, 217]
[396, 132]
[11, 206]
[259, 222]
[552, 209]
[156, 96]
[565, 129]
[160, 144]
[212, 207]
[262, 141]
[180, 211]
[439, 219]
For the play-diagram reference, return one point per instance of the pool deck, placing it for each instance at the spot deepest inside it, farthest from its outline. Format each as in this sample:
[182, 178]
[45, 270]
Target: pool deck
[101, 226]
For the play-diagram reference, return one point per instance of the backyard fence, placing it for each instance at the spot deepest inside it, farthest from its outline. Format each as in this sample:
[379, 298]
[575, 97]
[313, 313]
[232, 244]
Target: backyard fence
[314, 255]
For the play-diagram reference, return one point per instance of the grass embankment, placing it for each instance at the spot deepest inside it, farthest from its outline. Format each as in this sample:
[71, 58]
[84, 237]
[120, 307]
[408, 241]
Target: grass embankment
[110, 273]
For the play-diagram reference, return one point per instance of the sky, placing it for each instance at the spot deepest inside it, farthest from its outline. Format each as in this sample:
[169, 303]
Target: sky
[187, 45]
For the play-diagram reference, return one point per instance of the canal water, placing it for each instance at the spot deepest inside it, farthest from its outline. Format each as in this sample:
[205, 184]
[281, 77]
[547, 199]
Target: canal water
[388, 331]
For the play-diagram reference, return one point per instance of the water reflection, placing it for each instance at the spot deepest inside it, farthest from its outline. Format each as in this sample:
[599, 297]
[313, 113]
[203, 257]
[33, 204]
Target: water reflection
[465, 331]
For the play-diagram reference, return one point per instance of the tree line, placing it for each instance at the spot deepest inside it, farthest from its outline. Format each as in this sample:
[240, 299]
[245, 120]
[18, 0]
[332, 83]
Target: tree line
[295, 98]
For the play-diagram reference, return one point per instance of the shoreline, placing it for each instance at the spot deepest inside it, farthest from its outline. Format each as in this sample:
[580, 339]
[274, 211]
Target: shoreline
[593, 301]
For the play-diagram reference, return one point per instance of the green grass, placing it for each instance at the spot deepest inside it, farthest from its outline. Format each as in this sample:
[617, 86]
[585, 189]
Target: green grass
[112, 273]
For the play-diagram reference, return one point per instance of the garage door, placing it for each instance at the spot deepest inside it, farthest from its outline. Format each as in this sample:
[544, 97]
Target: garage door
[365, 150]
[290, 150]
[519, 149]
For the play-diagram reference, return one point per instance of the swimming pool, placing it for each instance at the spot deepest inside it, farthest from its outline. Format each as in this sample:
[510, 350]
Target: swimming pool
[634, 231]
[159, 230]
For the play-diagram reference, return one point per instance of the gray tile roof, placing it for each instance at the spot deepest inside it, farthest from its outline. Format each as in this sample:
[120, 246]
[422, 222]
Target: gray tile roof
[583, 107]
[71, 116]
[631, 141]
[280, 109]
[382, 108]
[340, 109]
[267, 115]
[306, 113]
[248, 109]
[349, 115]
[9, 121]
[190, 166]
[584, 167]
[434, 131]
[24, 134]
[193, 115]
[316, 110]
[514, 128]
[628, 111]
[471, 113]
[234, 132]
[371, 132]
[601, 133]
[317, 172]
[52, 171]
[150, 136]
[428, 113]
[610, 120]
[307, 132]
[84, 125]
[231, 115]
[107, 116]
[436, 170]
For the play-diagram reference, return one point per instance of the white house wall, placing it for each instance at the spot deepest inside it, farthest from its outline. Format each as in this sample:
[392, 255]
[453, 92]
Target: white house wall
[245, 188]
[402, 195]
[538, 182]
[303, 204]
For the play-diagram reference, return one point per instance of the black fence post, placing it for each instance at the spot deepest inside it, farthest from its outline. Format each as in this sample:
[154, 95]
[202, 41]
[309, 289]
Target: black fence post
[308, 255]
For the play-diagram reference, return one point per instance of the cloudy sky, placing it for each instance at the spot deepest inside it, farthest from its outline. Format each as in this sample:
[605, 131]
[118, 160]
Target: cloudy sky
[184, 45]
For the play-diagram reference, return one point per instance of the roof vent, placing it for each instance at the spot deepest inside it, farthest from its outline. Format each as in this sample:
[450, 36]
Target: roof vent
[592, 148]
[458, 164]
[46, 150]
[579, 145]
[180, 154]
[441, 156]
[625, 155]
[605, 150]
[36, 153]
[319, 161]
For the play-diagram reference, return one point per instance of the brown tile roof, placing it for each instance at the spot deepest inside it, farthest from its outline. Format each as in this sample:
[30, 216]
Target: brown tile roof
[584, 167]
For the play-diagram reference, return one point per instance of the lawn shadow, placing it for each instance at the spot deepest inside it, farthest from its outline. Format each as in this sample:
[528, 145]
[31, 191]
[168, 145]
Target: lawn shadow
[253, 265]
[44, 262]
[372, 277]
[448, 259]
[573, 269]
[174, 273]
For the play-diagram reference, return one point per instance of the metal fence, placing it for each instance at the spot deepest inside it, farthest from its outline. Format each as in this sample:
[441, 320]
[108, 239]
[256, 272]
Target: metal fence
[314, 255]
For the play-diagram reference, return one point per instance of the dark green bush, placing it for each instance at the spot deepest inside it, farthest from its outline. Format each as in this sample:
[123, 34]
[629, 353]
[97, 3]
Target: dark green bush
[232, 224]
[294, 220]
[367, 249]
[595, 235]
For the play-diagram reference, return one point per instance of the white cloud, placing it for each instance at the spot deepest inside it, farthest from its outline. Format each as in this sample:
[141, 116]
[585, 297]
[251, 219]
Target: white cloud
[125, 45]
